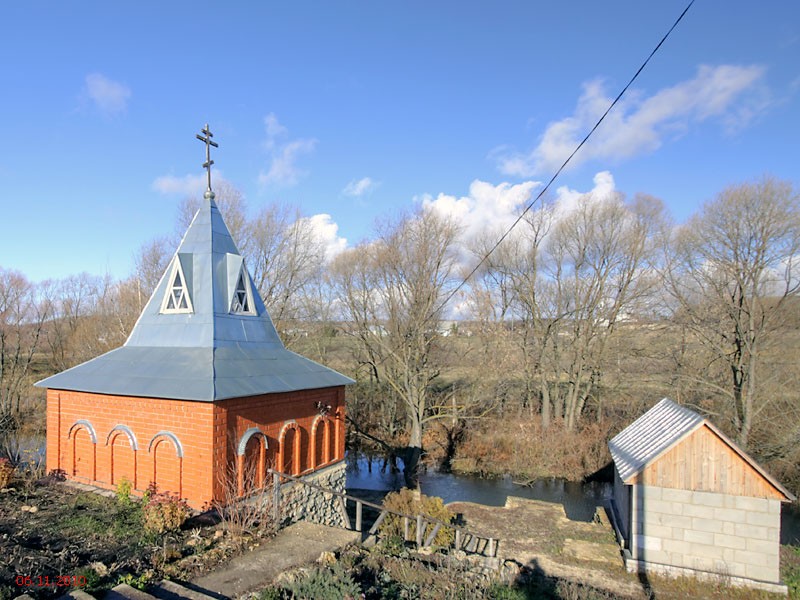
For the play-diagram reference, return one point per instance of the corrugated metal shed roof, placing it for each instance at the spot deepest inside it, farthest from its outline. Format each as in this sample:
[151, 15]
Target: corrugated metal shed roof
[661, 428]
[208, 352]
[651, 435]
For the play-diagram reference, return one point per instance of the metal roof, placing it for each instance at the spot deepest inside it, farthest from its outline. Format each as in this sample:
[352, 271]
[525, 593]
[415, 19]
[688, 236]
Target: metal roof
[660, 429]
[208, 353]
[651, 435]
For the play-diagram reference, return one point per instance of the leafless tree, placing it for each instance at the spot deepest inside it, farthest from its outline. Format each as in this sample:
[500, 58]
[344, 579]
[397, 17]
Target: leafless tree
[731, 270]
[391, 291]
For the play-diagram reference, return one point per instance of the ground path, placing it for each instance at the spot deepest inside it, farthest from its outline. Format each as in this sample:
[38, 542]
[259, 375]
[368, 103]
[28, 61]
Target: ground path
[296, 545]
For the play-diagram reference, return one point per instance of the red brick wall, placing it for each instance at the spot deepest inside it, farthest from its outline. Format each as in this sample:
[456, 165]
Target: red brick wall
[274, 415]
[209, 434]
[191, 423]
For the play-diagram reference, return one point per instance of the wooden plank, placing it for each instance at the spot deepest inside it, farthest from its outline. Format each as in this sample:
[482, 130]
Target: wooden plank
[276, 499]
[405, 529]
[345, 516]
[458, 539]
[378, 521]
[420, 526]
[433, 533]
[358, 516]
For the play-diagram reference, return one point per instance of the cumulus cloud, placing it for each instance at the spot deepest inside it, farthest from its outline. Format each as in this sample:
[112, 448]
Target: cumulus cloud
[486, 208]
[284, 153]
[361, 187]
[567, 199]
[640, 124]
[326, 232]
[109, 96]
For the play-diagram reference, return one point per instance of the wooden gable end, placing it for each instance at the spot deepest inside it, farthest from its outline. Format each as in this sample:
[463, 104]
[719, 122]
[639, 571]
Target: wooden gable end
[705, 462]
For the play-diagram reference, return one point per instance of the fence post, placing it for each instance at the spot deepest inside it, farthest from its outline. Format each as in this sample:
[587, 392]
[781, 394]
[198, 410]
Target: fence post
[419, 531]
[276, 499]
[359, 508]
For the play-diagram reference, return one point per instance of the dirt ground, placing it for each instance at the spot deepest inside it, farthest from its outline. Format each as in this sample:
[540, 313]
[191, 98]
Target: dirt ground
[542, 540]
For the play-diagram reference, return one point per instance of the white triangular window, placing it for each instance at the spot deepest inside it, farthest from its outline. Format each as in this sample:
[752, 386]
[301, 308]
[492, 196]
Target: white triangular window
[242, 303]
[176, 297]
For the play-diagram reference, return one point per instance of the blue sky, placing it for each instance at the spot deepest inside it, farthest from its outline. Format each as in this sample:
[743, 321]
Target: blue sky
[359, 110]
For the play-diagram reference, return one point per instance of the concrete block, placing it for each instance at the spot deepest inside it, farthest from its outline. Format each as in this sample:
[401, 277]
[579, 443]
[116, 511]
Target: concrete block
[774, 534]
[730, 541]
[728, 555]
[752, 504]
[763, 546]
[763, 573]
[697, 510]
[646, 542]
[708, 499]
[659, 531]
[752, 558]
[711, 525]
[750, 531]
[698, 537]
[763, 519]
[656, 556]
[675, 546]
[705, 551]
[728, 528]
[657, 506]
[679, 522]
[731, 515]
[673, 495]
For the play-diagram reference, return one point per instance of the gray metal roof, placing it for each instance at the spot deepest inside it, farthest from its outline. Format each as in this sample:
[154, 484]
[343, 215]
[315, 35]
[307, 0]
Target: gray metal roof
[651, 435]
[209, 353]
[661, 428]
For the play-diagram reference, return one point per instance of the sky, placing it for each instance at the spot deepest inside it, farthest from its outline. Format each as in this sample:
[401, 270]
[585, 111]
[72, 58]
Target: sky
[358, 111]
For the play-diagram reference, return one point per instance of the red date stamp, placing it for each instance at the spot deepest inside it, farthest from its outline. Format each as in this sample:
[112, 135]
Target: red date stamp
[40, 581]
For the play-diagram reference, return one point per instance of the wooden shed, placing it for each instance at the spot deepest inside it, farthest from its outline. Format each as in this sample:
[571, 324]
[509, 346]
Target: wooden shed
[687, 500]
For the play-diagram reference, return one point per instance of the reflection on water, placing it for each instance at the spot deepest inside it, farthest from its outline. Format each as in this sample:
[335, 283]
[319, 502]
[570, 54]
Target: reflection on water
[579, 499]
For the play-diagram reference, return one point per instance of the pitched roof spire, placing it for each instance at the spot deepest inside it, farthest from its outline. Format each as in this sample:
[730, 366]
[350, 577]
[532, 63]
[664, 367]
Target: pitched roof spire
[206, 138]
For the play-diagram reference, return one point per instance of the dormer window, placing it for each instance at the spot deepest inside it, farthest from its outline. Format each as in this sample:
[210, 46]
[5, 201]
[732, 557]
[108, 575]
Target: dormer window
[242, 303]
[176, 297]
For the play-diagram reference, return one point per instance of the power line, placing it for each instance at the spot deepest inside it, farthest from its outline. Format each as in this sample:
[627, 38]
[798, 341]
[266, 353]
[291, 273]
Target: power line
[564, 164]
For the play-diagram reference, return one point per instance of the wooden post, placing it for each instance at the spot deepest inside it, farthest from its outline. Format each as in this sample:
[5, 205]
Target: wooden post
[458, 539]
[345, 516]
[419, 531]
[378, 522]
[276, 499]
[359, 508]
[405, 529]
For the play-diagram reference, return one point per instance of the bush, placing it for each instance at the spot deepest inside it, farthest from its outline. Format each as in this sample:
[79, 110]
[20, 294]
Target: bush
[6, 472]
[405, 501]
[331, 583]
[124, 489]
[162, 511]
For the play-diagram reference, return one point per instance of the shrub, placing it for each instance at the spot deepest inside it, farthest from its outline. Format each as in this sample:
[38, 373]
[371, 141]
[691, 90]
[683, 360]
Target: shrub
[6, 472]
[331, 583]
[407, 502]
[124, 489]
[162, 511]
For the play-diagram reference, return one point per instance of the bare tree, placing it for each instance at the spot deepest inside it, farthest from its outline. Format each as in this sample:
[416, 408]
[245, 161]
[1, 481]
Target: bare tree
[731, 271]
[22, 317]
[391, 292]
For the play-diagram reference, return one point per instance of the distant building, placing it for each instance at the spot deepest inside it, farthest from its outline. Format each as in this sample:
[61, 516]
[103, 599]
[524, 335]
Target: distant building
[688, 500]
[202, 391]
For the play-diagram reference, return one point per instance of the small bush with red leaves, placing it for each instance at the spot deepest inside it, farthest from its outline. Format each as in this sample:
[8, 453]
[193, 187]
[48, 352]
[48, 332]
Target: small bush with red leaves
[162, 511]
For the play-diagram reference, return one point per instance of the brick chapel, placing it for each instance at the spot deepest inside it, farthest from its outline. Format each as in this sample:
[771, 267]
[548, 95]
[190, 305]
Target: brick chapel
[202, 391]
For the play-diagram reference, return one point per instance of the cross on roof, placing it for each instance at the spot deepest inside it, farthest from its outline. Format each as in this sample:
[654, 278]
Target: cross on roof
[206, 138]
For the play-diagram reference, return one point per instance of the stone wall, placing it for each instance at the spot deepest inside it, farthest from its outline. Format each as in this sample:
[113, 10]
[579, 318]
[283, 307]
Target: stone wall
[732, 536]
[302, 502]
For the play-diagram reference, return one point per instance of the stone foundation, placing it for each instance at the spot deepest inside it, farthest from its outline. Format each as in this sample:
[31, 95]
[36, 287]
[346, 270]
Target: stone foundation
[302, 502]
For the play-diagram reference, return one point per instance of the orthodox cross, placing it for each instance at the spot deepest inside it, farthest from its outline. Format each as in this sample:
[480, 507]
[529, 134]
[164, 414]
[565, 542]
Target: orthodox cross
[206, 138]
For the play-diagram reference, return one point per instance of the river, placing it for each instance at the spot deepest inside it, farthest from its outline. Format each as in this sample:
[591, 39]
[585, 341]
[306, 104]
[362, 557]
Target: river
[578, 499]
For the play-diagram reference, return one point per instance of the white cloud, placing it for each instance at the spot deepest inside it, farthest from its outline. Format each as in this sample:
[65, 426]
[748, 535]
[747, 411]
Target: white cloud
[567, 199]
[110, 96]
[640, 124]
[188, 185]
[326, 232]
[360, 187]
[284, 154]
[486, 209]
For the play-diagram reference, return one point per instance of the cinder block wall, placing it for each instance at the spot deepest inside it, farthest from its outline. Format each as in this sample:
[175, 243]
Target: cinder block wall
[711, 532]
